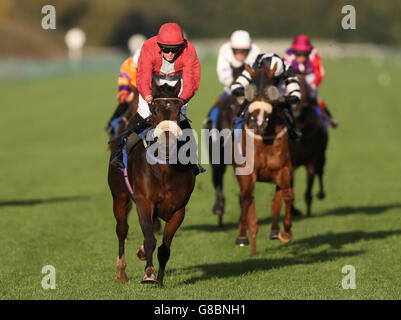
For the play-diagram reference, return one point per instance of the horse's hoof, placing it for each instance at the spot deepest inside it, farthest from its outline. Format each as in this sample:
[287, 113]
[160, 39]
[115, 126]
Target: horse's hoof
[150, 278]
[274, 234]
[140, 252]
[122, 277]
[218, 210]
[285, 237]
[321, 195]
[242, 241]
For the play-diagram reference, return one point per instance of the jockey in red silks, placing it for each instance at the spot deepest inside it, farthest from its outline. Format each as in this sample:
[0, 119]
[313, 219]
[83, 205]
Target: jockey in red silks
[165, 59]
[303, 57]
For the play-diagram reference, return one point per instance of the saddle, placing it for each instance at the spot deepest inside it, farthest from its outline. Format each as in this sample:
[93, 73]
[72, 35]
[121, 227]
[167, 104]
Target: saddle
[133, 139]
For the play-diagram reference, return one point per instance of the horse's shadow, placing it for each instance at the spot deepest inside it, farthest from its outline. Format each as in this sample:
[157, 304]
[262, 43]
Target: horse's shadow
[239, 268]
[361, 209]
[226, 226]
[338, 240]
[32, 202]
[298, 255]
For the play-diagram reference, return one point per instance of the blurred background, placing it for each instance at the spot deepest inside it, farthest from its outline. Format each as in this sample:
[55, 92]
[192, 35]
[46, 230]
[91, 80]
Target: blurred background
[109, 24]
[55, 204]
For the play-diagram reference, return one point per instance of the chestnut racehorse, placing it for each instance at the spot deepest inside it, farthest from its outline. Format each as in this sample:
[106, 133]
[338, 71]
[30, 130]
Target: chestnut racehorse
[271, 158]
[160, 189]
[310, 150]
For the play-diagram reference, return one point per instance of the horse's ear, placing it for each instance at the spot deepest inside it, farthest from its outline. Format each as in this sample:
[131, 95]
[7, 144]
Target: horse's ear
[177, 87]
[271, 72]
[250, 70]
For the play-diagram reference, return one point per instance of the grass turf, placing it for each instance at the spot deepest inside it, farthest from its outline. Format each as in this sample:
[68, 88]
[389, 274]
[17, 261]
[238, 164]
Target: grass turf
[56, 207]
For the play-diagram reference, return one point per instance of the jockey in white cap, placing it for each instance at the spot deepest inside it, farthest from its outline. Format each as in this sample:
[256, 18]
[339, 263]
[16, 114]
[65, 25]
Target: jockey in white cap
[232, 56]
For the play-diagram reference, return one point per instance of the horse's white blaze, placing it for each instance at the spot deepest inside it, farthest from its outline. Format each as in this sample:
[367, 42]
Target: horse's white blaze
[260, 117]
[167, 125]
[260, 105]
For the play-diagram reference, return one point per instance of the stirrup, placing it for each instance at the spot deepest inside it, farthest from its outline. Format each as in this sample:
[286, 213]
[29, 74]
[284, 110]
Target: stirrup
[333, 123]
[199, 169]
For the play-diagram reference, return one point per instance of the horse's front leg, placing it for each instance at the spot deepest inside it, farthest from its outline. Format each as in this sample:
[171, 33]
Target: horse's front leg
[218, 170]
[145, 209]
[288, 196]
[247, 186]
[275, 210]
[121, 206]
[308, 193]
[319, 171]
[163, 252]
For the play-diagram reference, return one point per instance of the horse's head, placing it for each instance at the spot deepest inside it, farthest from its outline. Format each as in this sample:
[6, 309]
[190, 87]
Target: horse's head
[263, 96]
[166, 109]
[166, 115]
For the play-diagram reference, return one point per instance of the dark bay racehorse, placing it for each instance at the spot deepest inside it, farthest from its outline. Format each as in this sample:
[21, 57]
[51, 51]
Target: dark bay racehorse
[159, 190]
[310, 150]
[271, 158]
[228, 109]
[130, 110]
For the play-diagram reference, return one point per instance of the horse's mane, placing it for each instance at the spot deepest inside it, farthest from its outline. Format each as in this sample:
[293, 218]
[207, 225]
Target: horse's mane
[165, 91]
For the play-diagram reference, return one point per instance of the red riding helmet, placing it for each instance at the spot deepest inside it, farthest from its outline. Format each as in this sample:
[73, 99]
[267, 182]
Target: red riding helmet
[301, 43]
[170, 34]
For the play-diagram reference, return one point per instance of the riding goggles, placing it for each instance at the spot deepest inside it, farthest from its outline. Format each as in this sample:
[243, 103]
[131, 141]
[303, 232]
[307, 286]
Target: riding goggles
[302, 53]
[166, 49]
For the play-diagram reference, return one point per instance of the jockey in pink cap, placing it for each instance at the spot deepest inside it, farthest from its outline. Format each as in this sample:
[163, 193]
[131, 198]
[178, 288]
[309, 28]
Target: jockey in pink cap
[303, 57]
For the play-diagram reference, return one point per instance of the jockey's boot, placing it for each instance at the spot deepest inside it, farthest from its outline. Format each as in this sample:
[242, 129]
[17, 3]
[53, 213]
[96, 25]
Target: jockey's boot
[185, 125]
[332, 121]
[136, 124]
[326, 112]
[289, 119]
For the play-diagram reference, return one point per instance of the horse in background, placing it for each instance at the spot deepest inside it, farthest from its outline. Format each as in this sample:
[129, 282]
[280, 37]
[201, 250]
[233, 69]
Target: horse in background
[159, 190]
[270, 154]
[310, 150]
[228, 109]
[123, 115]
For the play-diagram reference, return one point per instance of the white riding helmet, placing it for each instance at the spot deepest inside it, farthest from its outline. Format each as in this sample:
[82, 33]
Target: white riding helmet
[240, 39]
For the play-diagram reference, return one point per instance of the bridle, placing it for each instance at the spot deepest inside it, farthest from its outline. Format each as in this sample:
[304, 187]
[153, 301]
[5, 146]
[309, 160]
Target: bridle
[166, 99]
[169, 99]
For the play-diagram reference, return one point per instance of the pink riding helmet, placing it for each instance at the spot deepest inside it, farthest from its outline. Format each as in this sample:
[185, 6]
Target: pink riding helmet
[301, 43]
